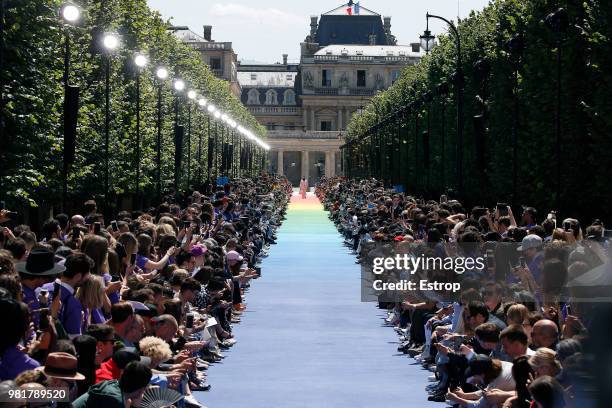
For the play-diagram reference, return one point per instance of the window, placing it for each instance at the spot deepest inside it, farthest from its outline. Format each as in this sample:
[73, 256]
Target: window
[326, 125]
[253, 98]
[271, 97]
[289, 77]
[361, 78]
[415, 47]
[215, 62]
[289, 97]
[395, 76]
[326, 78]
[253, 77]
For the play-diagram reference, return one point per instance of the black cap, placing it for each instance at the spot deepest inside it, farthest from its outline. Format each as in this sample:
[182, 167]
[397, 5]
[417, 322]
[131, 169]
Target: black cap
[40, 262]
[478, 365]
[126, 355]
[136, 375]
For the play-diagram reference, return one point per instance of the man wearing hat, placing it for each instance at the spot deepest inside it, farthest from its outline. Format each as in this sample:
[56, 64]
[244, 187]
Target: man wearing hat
[116, 394]
[531, 247]
[113, 367]
[198, 251]
[61, 368]
[39, 268]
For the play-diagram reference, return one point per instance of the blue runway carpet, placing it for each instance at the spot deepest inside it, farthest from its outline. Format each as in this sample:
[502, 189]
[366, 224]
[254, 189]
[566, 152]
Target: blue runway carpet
[306, 339]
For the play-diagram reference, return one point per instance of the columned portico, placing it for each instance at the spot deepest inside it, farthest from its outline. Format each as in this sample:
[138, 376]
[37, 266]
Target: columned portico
[281, 164]
[296, 154]
[305, 163]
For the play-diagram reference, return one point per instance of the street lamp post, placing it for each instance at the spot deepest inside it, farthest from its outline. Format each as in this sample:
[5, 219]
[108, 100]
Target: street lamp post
[162, 74]
[442, 91]
[515, 46]
[559, 23]
[191, 95]
[428, 98]
[202, 102]
[179, 86]
[71, 15]
[110, 42]
[428, 40]
[140, 61]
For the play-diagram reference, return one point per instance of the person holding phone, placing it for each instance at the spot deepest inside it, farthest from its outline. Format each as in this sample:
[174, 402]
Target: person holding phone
[144, 257]
[39, 268]
[78, 266]
[130, 246]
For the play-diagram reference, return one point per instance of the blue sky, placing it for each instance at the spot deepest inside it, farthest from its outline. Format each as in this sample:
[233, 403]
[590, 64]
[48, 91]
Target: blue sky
[263, 30]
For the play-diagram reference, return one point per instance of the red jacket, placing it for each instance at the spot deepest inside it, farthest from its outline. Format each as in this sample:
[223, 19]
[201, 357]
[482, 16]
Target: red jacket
[108, 371]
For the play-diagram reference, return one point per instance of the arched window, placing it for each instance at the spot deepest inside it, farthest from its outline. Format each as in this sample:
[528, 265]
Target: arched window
[271, 97]
[289, 97]
[253, 97]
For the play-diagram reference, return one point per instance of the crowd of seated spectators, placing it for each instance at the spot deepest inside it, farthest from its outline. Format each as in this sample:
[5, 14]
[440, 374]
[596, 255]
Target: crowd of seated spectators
[144, 303]
[514, 336]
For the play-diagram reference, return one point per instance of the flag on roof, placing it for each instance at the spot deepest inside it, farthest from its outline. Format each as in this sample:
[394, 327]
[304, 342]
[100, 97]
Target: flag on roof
[353, 8]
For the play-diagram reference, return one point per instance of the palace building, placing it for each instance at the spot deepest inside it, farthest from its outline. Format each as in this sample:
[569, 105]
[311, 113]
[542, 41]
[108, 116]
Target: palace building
[347, 57]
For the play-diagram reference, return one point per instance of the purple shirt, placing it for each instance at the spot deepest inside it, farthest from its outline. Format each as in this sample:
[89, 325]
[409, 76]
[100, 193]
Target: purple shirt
[113, 297]
[71, 311]
[141, 261]
[30, 299]
[14, 362]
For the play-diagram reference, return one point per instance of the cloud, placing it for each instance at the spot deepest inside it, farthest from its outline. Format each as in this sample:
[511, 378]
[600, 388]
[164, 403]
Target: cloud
[262, 16]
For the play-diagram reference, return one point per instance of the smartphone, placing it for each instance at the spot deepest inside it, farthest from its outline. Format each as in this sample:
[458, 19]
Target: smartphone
[43, 299]
[43, 324]
[56, 289]
[97, 227]
[567, 226]
[189, 321]
[568, 309]
[522, 262]
[115, 226]
[502, 209]
[186, 224]
[76, 233]
[133, 259]
[258, 270]
[490, 258]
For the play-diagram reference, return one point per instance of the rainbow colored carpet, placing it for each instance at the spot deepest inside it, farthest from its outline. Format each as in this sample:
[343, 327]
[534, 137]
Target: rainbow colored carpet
[306, 339]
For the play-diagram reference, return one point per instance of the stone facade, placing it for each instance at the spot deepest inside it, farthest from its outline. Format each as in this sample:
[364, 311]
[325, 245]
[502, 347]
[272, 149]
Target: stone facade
[219, 56]
[344, 61]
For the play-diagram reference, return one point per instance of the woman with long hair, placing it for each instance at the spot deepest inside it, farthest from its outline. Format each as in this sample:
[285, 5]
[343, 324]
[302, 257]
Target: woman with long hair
[92, 296]
[85, 347]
